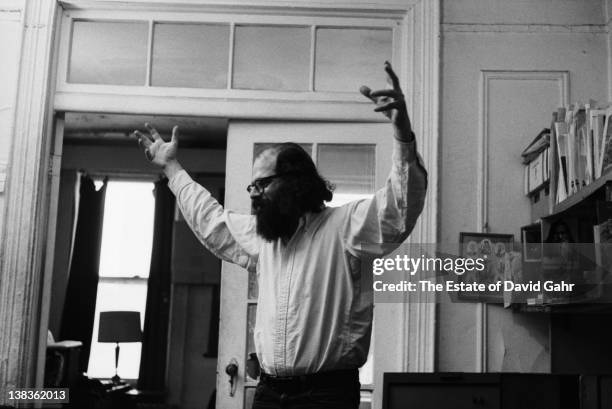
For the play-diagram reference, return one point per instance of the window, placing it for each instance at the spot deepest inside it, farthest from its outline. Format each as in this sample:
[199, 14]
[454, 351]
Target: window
[229, 54]
[112, 53]
[190, 55]
[125, 258]
[350, 167]
[272, 58]
[348, 58]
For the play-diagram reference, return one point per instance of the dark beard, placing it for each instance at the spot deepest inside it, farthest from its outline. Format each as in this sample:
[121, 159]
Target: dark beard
[275, 221]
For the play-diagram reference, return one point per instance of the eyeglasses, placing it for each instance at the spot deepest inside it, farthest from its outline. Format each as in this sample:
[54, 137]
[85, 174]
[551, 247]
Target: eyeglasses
[259, 185]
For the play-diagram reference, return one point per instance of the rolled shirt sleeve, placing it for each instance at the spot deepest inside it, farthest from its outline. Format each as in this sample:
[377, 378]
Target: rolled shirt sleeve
[391, 214]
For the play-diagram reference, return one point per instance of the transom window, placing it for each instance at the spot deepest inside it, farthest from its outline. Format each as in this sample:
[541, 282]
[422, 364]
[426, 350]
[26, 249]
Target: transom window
[228, 55]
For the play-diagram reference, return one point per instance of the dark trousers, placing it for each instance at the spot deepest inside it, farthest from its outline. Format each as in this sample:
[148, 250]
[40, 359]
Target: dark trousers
[324, 390]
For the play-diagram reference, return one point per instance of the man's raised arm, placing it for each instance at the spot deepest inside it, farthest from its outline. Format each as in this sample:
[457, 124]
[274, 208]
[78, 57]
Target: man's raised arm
[229, 236]
[391, 214]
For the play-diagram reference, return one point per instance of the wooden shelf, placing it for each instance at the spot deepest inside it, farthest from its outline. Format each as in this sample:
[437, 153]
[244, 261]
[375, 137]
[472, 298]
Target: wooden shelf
[579, 211]
[571, 308]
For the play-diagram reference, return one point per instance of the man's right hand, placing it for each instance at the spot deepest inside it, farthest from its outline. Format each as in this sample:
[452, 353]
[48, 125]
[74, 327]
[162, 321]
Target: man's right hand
[158, 152]
[392, 104]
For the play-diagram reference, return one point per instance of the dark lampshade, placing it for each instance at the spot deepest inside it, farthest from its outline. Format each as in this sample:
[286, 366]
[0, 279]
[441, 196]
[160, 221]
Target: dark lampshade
[119, 326]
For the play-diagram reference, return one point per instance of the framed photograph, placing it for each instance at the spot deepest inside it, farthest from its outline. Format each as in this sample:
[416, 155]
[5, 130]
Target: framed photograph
[493, 249]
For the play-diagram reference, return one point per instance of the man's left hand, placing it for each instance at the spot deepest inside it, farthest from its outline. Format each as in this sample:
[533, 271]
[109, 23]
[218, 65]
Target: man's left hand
[392, 104]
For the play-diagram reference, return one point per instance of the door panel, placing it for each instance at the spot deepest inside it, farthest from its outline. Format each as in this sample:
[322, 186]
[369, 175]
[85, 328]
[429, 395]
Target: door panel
[355, 157]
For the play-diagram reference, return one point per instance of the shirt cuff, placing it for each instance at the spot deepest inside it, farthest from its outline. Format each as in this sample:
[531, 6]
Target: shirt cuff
[406, 156]
[407, 150]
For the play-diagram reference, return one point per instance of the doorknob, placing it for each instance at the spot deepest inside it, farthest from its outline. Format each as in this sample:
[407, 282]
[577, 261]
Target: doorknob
[232, 370]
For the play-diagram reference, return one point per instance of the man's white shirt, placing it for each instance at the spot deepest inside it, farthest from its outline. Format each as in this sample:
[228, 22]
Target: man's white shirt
[315, 307]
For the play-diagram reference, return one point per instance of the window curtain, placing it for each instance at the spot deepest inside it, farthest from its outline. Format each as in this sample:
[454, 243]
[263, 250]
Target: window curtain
[80, 302]
[155, 333]
[64, 235]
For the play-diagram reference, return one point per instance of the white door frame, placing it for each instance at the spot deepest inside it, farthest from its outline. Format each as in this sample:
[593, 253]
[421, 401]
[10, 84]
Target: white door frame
[24, 235]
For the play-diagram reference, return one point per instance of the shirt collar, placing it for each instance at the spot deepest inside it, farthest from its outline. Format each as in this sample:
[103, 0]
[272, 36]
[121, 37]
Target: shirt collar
[308, 218]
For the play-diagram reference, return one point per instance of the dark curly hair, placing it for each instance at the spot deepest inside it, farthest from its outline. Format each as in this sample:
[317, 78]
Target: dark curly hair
[305, 184]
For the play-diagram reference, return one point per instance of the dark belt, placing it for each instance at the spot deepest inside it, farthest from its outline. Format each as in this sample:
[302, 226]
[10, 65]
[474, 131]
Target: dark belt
[345, 377]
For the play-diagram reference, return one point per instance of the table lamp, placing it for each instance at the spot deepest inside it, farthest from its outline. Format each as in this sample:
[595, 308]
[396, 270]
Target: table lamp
[119, 326]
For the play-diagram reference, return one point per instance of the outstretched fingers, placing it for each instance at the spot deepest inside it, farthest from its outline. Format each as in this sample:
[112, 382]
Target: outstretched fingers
[386, 93]
[388, 99]
[154, 134]
[175, 135]
[366, 92]
[145, 143]
[143, 140]
[392, 78]
[389, 106]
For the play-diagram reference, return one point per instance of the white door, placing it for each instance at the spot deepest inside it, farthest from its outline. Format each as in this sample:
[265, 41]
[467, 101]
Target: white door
[356, 157]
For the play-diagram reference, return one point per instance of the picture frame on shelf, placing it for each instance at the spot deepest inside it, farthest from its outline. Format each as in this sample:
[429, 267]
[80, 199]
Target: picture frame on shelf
[492, 247]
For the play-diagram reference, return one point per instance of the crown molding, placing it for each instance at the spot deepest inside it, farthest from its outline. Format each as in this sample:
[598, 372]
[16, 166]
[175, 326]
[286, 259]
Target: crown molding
[526, 28]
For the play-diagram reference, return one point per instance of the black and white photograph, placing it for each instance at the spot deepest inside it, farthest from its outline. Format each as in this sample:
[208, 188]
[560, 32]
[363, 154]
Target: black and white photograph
[493, 250]
[221, 204]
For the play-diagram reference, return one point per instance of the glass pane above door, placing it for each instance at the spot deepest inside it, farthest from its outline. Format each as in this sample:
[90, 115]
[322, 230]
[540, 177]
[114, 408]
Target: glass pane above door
[307, 57]
[190, 55]
[348, 58]
[271, 58]
[110, 53]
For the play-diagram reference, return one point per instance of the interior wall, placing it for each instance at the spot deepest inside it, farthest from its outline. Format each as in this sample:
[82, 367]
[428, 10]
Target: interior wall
[538, 12]
[10, 47]
[513, 37]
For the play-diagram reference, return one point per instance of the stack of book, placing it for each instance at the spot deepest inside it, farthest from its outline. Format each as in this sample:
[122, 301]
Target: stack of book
[582, 134]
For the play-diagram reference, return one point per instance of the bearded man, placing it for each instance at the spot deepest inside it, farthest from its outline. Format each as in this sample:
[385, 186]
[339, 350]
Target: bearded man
[314, 319]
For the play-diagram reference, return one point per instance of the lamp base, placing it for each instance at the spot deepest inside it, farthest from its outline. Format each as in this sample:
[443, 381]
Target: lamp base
[116, 380]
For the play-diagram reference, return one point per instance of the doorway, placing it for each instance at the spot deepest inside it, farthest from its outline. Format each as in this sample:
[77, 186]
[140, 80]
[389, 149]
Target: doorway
[100, 146]
[414, 48]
